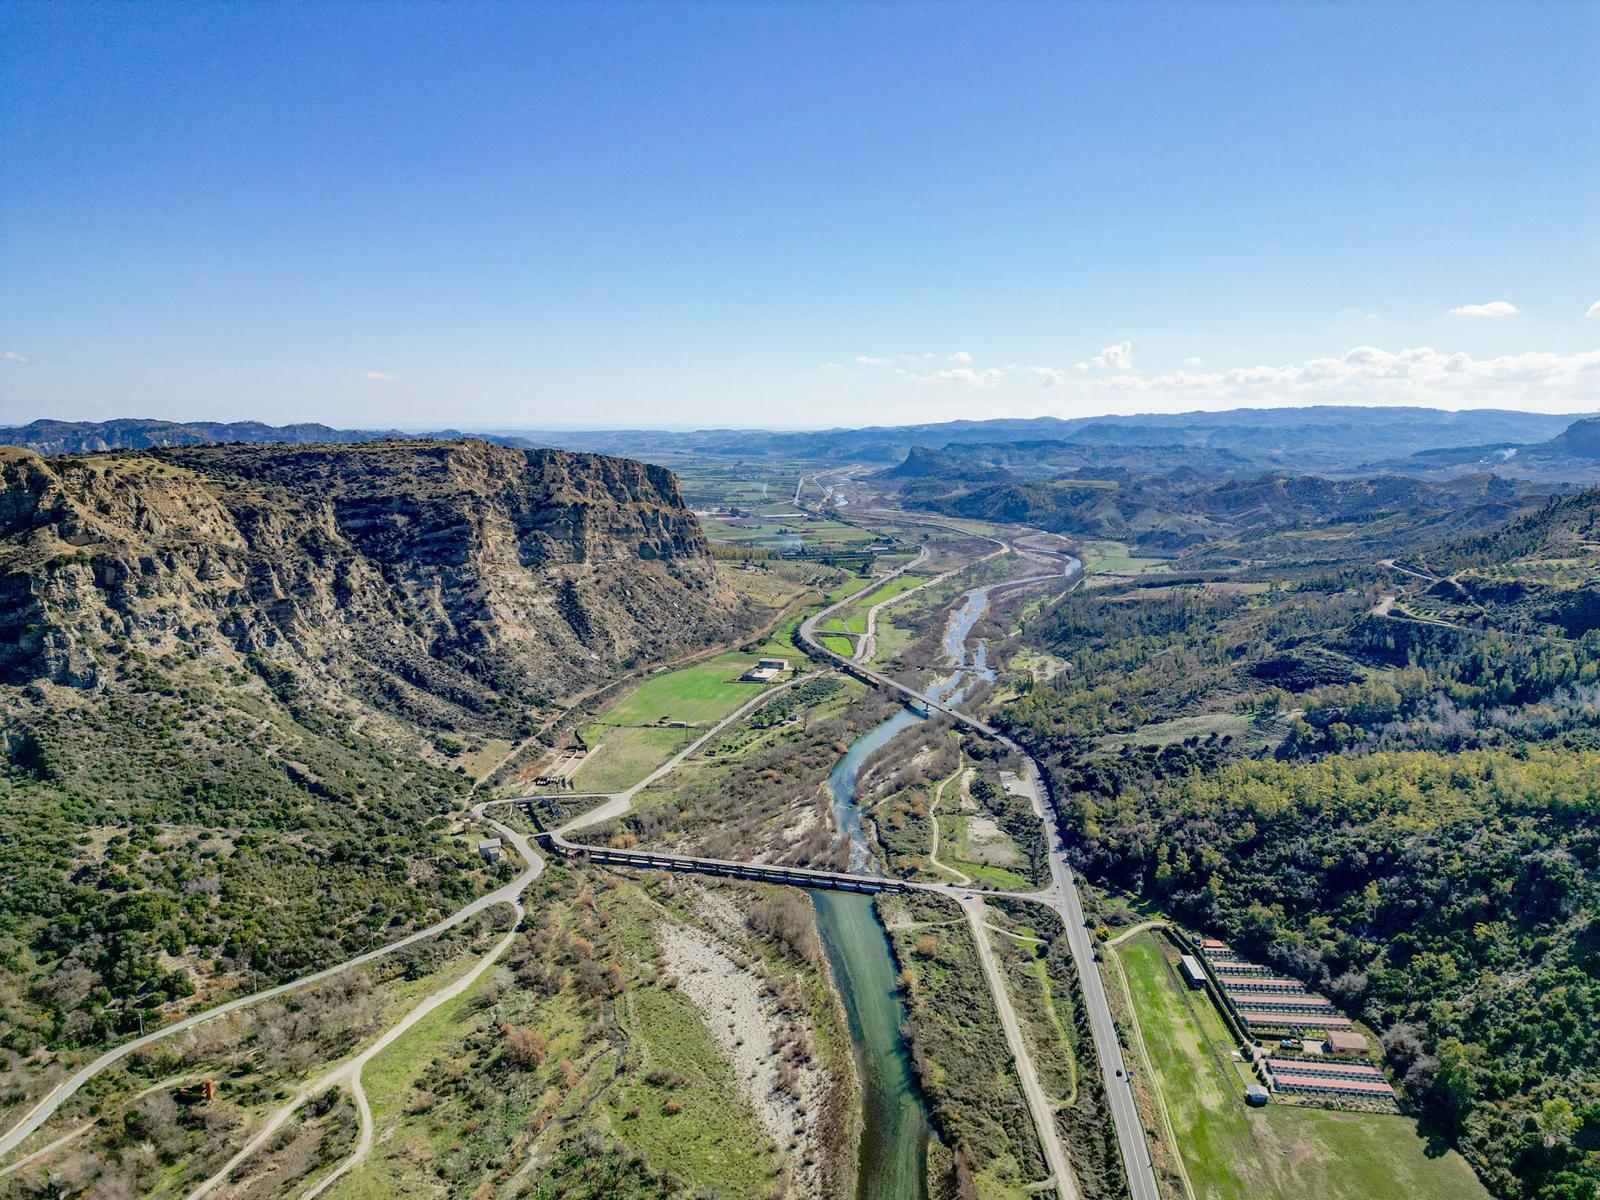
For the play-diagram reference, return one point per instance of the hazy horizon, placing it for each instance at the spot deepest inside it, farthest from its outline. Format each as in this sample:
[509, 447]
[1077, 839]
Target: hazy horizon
[683, 427]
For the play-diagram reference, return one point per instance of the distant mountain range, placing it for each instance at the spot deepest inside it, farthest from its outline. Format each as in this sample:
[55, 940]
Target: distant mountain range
[1343, 518]
[1315, 438]
[983, 461]
[1323, 438]
[1572, 454]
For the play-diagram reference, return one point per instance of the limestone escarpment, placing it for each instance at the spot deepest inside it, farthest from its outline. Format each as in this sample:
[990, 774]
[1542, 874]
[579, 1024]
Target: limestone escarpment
[443, 582]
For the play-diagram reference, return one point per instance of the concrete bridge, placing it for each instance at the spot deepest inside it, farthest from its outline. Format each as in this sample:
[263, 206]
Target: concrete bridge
[650, 860]
[925, 705]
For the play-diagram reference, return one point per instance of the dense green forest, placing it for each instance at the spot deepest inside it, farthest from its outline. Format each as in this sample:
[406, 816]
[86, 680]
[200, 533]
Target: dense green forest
[1452, 901]
[1404, 814]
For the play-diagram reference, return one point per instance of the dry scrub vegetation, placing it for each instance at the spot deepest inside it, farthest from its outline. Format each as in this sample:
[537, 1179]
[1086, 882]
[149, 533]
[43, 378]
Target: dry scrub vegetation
[146, 1130]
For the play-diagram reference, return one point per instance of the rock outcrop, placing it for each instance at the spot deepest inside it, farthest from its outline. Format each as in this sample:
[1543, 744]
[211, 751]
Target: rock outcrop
[444, 582]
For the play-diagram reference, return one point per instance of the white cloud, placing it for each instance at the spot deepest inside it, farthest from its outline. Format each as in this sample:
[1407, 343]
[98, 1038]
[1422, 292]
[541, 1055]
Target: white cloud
[1495, 308]
[962, 357]
[1534, 379]
[380, 377]
[1048, 376]
[1118, 357]
[1419, 375]
[1194, 361]
[989, 377]
[13, 356]
[868, 360]
[1594, 310]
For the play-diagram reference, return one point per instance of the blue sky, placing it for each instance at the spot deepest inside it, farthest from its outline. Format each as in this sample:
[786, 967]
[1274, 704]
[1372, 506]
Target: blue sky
[793, 214]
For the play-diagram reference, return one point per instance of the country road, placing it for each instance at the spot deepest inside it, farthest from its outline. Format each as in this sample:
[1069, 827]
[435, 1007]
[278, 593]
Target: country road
[47, 1105]
[1403, 569]
[1044, 1116]
[961, 877]
[348, 1074]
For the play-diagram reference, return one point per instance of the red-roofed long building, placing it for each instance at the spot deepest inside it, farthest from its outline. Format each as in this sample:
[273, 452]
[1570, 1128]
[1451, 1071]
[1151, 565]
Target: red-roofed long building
[1322, 1069]
[1269, 1019]
[1348, 1087]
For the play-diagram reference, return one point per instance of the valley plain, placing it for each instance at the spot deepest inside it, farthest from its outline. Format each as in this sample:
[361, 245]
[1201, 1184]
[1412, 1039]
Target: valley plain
[274, 710]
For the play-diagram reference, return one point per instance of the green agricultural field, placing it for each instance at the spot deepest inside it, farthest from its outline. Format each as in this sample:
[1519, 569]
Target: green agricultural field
[628, 740]
[747, 531]
[1164, 733]
[892, 639]
[1114, 556]
[707, 485]
[849, 587]
[781, 529]
[626, 755]
[834, 532]
[1231, 1152]
[854, 618]
[838, 644]
[900, 583]
[701, 694]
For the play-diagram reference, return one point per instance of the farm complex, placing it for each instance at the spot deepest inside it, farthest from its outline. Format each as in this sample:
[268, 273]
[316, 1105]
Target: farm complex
[1315, 1050]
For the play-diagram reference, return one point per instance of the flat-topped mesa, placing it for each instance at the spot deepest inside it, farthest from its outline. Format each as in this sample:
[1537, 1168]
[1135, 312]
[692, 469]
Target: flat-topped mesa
[431, 578]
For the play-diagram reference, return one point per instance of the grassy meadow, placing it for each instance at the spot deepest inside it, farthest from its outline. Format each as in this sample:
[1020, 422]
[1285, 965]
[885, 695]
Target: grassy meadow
[1280, 1152]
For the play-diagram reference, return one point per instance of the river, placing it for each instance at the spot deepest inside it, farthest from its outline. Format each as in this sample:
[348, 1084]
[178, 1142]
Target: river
[895, 1129]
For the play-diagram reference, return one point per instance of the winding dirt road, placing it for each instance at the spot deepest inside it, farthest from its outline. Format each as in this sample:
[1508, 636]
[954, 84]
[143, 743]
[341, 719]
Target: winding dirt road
[961, 877]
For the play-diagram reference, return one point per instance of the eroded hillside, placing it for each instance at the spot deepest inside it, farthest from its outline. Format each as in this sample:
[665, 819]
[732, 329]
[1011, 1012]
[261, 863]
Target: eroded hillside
[433, 580]
[236, 682]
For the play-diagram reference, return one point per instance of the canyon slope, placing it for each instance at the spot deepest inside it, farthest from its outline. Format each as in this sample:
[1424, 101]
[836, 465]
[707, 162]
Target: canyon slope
[434, 580]
[240, 688]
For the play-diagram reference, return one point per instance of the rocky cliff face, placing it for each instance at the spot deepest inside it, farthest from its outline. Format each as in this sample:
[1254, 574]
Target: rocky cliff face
[447, 583]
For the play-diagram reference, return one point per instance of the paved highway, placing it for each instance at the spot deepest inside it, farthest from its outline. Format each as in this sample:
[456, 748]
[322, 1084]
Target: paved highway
[1119, 1088]
[1039, 1104]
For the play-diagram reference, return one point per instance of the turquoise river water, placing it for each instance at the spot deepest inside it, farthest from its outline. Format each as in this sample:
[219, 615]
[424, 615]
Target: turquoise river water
[895, 1131]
